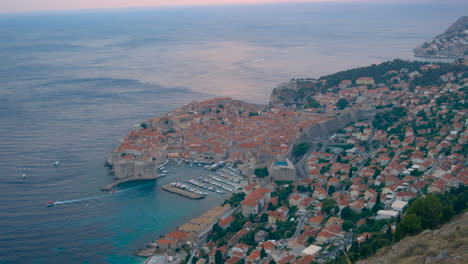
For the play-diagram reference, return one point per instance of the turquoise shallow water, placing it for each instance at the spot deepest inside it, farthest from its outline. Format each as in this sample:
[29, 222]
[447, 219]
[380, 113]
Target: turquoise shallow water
[73, 83]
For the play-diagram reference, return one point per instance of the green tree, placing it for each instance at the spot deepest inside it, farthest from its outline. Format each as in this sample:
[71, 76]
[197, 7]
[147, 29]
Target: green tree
[218, 232]
[378, 204]
[389, 234]
[270, 207]
[313, 103]
[261, 172]
[300, 149]
[328, 205]
[262, 253]
[264, 218]
[339, 159]
[331, 190]
[348, 225]
[410, 225]
[429, 209]
[342, 103]
[347, 213]
[218, 257]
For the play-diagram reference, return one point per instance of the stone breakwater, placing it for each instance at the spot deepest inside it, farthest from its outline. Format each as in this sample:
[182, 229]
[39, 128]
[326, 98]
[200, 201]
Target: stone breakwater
[184, 193]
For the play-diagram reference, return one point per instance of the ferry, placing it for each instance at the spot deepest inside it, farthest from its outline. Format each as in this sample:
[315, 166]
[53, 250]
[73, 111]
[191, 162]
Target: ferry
[50, 203]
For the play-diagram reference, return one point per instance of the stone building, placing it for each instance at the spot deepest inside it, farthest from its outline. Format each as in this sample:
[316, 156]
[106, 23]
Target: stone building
[282, 171]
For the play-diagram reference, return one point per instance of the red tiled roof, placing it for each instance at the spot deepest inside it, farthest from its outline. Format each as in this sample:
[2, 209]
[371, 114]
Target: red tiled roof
[249, 202]
[176, 235]
[223, 222]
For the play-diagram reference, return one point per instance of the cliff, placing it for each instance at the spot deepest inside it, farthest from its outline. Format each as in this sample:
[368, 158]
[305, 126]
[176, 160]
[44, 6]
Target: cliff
[445, 245]
[296, 92]
[453, 43]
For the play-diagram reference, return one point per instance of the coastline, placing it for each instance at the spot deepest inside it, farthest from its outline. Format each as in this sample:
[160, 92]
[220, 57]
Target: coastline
[182, 120]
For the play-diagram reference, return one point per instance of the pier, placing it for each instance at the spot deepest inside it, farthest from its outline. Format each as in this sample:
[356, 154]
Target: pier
[181, 192]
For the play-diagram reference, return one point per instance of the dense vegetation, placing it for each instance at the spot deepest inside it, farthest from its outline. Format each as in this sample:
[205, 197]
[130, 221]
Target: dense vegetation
[432, 77]
[427, 212]
[261, 172]
[388, 119]
[235, 199]
[375, 71]
[300, 149]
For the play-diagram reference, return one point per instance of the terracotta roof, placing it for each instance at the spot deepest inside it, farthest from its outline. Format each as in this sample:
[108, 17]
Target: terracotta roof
[316, 219]
[176, 235]
[223, 222]
[307, 259]
[254, 255]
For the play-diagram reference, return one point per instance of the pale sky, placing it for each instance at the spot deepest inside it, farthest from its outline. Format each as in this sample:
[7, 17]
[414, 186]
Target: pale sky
[43, 5]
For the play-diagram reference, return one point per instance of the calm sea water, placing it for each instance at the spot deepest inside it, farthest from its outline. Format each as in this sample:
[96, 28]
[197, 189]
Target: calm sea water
[73, 83]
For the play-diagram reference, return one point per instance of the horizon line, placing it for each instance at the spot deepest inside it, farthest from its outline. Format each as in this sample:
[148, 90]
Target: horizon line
[176, 6]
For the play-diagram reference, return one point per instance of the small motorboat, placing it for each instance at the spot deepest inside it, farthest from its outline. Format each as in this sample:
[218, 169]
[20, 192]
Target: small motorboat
[23, 175]
[113, 192]
[50, 203]
[56, 163]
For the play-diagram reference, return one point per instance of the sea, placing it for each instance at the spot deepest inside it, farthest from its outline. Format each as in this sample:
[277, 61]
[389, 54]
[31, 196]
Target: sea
[73, 83]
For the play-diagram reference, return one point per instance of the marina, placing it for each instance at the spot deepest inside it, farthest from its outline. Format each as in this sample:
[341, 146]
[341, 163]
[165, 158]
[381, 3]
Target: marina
[182, 192]
[215, 184]
[223, 181]
[227, 179]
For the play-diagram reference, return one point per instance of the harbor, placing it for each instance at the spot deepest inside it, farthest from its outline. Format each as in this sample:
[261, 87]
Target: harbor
[227, 179]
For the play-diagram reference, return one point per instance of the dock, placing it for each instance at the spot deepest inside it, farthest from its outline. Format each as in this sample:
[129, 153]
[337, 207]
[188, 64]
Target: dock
[184, 193]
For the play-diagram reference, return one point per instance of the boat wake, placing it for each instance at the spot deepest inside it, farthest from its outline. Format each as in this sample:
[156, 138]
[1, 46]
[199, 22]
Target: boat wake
[95, 197]
[228, 68]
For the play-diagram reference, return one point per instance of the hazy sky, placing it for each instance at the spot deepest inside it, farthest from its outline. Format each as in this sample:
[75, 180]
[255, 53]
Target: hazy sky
[40, 5]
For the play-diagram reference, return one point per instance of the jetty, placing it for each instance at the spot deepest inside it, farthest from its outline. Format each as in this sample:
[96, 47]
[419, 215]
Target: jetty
[120, 181]
[181, 192]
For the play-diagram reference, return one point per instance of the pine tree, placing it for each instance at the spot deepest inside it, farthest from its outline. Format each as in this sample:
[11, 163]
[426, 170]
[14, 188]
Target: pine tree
[389, 233]
[218, 257]
[378, 204]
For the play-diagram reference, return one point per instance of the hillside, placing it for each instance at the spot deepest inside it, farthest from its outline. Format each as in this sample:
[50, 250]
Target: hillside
[452, 43]
[297, 92]
[445, 245]
[302, 93]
